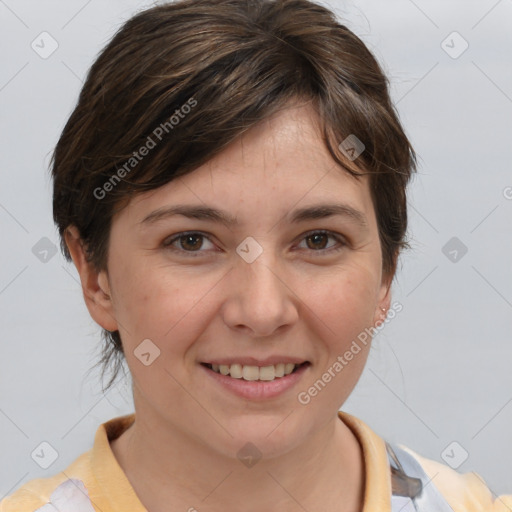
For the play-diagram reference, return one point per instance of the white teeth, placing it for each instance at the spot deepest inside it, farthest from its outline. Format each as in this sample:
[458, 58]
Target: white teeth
[288, 368]
[235, 370]
[279, 370]
[267, 373]
[248, 372]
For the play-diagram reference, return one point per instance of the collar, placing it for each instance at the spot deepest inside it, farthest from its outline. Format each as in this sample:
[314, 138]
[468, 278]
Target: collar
[118, 494]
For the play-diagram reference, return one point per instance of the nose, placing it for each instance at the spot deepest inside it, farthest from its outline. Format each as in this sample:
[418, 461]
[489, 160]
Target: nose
[259, 300]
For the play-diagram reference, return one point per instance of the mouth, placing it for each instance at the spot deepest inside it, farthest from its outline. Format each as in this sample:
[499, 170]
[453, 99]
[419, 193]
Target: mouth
[256, 373]
[256, 383]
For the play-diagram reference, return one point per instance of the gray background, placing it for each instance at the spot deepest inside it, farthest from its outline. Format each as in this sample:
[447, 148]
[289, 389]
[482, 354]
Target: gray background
[438, 373]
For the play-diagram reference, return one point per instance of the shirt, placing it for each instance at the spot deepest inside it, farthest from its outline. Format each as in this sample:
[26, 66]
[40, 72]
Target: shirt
[95, 482]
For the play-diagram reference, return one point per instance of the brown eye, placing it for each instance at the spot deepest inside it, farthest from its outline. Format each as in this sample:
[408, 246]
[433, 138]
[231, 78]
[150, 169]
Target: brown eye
[187, 243]
[191, 242]
[317, 241]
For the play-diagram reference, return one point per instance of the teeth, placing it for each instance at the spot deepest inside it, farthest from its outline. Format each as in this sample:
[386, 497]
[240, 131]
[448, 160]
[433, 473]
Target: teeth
[267, 372]
[279, 370]
[235, 371]
[247, 372]
[250, 372]
[288, 368]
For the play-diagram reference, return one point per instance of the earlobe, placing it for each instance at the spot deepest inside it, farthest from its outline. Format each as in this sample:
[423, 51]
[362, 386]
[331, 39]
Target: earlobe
[95, 284]
[384, 302]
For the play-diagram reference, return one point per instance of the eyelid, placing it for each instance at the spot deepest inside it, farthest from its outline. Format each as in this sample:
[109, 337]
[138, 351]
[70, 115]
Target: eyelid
[167, 243]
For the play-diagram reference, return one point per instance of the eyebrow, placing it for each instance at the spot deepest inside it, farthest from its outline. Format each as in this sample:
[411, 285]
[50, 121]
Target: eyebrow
[321, 211]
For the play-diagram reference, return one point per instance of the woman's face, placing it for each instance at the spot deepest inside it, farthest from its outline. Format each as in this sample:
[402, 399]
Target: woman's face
[274, 259]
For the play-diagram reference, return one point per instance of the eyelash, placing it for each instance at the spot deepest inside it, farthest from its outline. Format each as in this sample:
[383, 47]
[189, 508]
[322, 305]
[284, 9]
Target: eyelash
[168, 242]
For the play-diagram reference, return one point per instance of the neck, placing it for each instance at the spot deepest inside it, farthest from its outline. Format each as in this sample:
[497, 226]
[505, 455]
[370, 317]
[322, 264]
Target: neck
[171, 470]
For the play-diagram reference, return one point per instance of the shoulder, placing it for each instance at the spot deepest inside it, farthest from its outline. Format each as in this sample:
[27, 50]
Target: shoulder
[52, 493]
[464, 492]
[80, 484]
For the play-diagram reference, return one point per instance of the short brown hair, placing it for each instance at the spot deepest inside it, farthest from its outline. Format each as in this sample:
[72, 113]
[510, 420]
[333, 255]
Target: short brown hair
[234, 63]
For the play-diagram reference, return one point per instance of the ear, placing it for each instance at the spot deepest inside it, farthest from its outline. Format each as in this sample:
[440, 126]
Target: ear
[384, 300]
[95, 285]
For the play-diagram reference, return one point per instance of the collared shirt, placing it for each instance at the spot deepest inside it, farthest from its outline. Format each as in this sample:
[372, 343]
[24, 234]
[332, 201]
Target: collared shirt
[95, 482]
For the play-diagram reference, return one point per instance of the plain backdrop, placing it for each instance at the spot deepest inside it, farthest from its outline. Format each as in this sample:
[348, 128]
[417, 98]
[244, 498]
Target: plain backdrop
[438, 378]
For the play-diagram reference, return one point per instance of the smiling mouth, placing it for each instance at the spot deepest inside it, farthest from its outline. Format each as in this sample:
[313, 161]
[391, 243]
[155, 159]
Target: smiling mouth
[256, 373]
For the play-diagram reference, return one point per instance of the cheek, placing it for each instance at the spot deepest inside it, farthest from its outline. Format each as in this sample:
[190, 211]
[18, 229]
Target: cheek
[342, 315]
[160, 304]
[346, 301]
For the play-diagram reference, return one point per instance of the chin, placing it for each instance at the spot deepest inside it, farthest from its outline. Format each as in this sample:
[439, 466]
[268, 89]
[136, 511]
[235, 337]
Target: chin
[272, 434]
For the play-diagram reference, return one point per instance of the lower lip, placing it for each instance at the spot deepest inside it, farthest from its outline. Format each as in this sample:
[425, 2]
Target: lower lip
[258, 389]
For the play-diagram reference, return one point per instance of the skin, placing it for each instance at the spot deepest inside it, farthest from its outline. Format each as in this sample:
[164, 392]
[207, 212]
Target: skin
[201, 301]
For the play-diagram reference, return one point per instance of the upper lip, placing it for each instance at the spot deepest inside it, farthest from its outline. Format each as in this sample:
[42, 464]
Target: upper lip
[254, 361]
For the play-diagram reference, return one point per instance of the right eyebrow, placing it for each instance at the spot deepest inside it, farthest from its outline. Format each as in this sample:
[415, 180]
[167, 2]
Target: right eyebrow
[191, 212]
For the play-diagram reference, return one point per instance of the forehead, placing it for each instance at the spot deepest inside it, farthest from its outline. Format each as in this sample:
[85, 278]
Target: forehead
[278, 165]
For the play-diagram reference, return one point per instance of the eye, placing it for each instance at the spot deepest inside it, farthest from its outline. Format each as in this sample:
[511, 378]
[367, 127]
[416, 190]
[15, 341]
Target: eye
[316, 241]
[192, 242]
[187, 242]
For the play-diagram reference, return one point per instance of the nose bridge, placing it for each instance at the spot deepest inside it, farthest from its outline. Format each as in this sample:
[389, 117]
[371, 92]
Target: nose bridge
[263, 280]
[259, 299]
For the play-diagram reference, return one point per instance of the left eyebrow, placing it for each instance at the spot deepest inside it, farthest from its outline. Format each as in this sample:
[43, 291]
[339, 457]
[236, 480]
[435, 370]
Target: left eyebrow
[321, 211]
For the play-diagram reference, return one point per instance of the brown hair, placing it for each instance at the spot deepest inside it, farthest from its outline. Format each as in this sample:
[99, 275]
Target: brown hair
[184, 79]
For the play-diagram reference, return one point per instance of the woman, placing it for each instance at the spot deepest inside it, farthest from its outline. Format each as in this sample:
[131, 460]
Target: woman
[231, 188]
